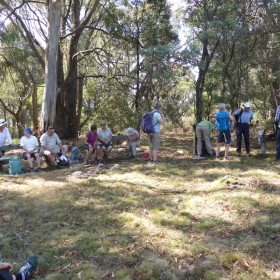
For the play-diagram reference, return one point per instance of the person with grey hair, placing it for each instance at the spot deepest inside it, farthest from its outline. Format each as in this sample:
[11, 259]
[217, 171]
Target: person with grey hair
[245, 117]
[223, 126]
[158, 120]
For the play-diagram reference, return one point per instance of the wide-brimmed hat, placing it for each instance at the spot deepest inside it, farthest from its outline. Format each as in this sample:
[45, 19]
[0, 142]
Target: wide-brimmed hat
[247, 105]
[129, 131]
[2, 122]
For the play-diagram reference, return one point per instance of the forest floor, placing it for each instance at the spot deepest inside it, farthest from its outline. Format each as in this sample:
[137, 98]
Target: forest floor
[182, 219]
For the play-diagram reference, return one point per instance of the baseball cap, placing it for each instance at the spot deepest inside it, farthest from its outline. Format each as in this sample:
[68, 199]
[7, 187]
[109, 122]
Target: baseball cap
[247, 105]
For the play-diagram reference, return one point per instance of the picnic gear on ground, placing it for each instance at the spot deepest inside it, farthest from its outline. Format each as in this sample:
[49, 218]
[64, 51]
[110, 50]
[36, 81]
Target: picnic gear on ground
[145, 156]
[14, 165]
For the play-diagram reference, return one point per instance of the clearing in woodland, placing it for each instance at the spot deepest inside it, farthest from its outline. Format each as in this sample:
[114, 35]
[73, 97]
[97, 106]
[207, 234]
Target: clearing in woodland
[182, 219]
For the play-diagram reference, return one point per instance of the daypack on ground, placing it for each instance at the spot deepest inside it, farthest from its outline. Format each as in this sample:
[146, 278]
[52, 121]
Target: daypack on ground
[147, 122]
[222, 121]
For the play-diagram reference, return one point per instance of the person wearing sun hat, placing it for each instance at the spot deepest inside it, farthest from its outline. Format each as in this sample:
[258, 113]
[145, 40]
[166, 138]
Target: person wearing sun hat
[5, 136]
[30, 146]
[245, 116]
[132, 140]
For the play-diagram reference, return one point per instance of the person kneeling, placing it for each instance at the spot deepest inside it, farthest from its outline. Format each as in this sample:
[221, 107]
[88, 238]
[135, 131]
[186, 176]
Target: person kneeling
[30, 145]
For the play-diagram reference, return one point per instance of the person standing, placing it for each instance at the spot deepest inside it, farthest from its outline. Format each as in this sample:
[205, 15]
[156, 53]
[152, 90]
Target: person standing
[277, 121]
[243, 118]
[158, 120]
[203, 132]
[90, 142]
[223, 127]
[30, 145]
[5, 136]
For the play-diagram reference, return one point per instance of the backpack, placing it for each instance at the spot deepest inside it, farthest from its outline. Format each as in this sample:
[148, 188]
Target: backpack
[147, 122]
[75, 153]
[222, 121]
[238, 116]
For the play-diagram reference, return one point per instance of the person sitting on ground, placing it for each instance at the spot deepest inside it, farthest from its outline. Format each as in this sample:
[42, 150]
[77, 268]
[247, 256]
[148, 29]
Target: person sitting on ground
[223, 126]
[203, 132]
[52, 145]
[4, 136]
[30, 145]
[23, 274]
[90, 142]
[104, 136]
[132, 141]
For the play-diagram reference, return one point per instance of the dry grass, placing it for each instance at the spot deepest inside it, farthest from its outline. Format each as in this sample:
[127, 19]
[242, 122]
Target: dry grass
[183, 219]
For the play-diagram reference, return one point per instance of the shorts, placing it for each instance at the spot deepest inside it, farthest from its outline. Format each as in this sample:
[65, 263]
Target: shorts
[224, 137]
[24, 154]
[155, 141]
[103, 145]
[87, 147]
[56, 150]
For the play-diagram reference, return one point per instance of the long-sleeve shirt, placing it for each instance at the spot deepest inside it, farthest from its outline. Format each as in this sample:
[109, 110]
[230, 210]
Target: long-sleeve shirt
[5, 136]
[277, 116]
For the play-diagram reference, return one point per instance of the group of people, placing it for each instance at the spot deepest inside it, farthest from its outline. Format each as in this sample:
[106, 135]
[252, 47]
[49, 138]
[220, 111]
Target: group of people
[99, 141]
[241, 119]
[50, 143]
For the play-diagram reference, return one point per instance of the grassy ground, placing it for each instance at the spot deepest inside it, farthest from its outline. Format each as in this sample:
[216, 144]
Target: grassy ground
[183, 219]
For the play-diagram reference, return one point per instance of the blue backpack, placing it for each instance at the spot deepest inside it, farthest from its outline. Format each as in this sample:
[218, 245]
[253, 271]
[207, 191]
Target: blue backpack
[222, 121]
[147, 122]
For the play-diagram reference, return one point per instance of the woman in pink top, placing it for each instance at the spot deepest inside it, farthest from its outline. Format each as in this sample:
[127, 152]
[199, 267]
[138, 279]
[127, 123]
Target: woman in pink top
[90, 142]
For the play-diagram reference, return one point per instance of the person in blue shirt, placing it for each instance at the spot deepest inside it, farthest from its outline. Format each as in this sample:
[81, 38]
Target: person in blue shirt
[223, 126]
[245, 117]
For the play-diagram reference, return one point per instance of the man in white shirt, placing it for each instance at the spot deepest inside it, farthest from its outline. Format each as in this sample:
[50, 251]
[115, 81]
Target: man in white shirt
[4, 136]
[52, 145]
[30, 145]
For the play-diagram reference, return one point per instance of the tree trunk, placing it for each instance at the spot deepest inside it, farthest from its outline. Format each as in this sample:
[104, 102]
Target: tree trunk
[50, 92]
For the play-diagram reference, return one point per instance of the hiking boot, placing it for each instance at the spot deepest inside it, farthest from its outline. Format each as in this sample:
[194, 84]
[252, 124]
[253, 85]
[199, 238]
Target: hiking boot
[39, 169]
[30, 266]
[238, 154]
[249, 154]
[32, 169]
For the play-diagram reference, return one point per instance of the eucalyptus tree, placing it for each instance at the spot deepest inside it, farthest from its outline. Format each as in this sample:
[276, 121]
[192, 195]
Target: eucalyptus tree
[20, 77]
[145, 32]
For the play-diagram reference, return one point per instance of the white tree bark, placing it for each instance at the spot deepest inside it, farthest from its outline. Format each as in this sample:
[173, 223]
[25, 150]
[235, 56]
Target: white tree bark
[50, 91]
